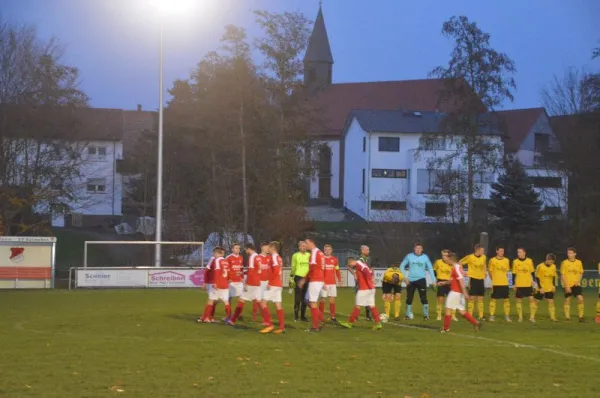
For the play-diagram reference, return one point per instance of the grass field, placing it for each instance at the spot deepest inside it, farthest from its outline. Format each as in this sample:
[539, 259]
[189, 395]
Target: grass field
[145, 343]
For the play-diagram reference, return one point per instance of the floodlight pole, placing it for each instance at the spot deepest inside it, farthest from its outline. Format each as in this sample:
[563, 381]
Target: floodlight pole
[159, 171]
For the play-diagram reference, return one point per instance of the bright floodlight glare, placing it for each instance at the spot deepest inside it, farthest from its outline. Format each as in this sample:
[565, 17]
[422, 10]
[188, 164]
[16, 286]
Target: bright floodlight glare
[173, 6]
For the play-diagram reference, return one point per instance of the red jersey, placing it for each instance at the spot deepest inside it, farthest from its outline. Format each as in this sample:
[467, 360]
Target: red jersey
[364, 276]
[208, 272]
[253, 276]
[221, 273]
[332, 269]
[264, 263]
[456, 275]
[236, 267]
[276, 265]
[316, 266]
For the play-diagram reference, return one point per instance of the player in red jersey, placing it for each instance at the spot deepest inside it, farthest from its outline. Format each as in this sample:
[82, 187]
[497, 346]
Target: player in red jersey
[316, 281]
[252, 288]
[220, 291]
[208, 285]
[458, 294]
[263, 260]
[365, 296]
[332, 273]
[236, 276]
[273, 292]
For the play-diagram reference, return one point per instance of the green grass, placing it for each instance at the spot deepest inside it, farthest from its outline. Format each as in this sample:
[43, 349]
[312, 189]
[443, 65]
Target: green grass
[143, 343]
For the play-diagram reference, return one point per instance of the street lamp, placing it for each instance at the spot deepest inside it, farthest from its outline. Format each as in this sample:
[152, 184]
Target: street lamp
[165, 7]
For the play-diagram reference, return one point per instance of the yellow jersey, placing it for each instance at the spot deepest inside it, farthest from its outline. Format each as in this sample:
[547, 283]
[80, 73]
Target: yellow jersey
[499, 269]
[388, 275]
[571, 271]
[546, 274]
[475, 265]
[442, 270]
[523, 270]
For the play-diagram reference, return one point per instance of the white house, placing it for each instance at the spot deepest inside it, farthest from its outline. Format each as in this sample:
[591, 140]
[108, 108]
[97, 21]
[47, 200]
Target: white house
[390, 173]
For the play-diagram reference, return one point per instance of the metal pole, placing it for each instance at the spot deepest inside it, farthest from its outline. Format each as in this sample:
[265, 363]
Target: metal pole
[159, 171]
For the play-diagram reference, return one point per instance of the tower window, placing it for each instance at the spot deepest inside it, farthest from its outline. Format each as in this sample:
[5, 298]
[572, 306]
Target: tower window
[312, 75]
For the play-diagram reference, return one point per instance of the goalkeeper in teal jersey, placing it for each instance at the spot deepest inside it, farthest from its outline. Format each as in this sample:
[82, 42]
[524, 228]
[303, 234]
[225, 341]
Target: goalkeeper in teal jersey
[415, 266]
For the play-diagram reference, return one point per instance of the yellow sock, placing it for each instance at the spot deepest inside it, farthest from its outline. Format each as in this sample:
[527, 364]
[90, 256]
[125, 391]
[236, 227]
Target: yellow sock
[386, 307]
[520, 309]
[580, 309]
[506, 307]
[471, 307]
[453, 313]
[567, 311]
[552, 311]
[492, 307]
[397, 305]
[532, 309]
[480, 308]
[598, 308]
[438, 309]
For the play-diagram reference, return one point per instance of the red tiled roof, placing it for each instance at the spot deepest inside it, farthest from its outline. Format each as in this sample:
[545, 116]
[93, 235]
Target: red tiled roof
[338, 100]
[516, 124]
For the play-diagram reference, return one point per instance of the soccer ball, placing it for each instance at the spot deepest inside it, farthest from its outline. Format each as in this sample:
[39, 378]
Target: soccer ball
[383, 318]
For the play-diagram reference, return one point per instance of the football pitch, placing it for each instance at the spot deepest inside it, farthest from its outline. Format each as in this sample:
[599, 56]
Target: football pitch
[146, 343]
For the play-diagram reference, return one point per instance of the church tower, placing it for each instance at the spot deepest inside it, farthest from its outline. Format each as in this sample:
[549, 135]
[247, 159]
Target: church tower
[318, 61]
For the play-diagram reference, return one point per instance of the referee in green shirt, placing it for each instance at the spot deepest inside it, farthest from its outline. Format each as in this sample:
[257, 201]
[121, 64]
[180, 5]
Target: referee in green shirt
[300, 261]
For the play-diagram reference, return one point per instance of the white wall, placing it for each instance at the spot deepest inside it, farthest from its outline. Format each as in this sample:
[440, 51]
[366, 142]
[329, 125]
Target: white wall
[355, 160]
[334, 145]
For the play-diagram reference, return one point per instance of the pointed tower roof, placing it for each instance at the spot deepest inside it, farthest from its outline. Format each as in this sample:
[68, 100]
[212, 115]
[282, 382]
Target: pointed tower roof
[318, 47]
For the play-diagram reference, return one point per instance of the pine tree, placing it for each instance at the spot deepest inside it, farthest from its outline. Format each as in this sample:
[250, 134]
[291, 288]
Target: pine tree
[515, 203]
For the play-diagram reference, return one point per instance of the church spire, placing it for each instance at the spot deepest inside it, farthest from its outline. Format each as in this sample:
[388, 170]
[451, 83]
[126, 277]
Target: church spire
[318, 60]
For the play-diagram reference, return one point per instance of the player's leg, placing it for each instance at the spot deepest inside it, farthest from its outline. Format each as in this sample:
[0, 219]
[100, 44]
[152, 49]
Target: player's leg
[598, 309]
[332, 295]
[280, 318]
[506, 298]
[471, 301]
[551, 308]
[519, 305]
[567, 306]
[298, 297]
[207, 311]
[303, 302]
[239, 308]
[580, 306]
[492, 305]
[387, 299]
[410, 292]
[480, 307]
[422, 286]
[314, 291]
[532, 309]
[371, 304]
[447, 317]
[441, 294]
[397, 301]
[324, 295]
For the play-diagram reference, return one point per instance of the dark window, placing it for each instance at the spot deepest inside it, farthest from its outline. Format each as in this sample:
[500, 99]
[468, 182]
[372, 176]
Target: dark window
[364, 144]
[312, 75]
[363, 180]
[387, 205]
[435, 209]
[546, 182]
[542, 142]
[438, 181]
[388, 173]
[432, 143]
[325, 161]
[389, 144]
[552, 210]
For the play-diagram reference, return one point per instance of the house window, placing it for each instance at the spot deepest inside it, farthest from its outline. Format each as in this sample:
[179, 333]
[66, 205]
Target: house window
[542, 143]
[552, 211]
[363, 180]
[364, 144]
[432, 143]
[389, 144]
[387, 205]
[312, 75]
[96, 153]
[546, 182]
[388, 173]
[96, 185]
[435, 209]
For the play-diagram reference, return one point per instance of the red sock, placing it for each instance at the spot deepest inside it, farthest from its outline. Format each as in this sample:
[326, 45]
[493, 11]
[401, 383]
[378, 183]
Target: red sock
[354, 315]
[315, 317]
[238, 311]
[375, 314]
[267, 316]
[255, 306]
[322, 306]
[281, 318]
[447, 322]
[332, 309]
[207, 311]
[228, 310]
[214, 308]
[469, 318]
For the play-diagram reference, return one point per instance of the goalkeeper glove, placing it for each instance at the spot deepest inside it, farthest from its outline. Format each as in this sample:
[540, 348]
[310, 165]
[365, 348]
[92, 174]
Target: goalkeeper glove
[292, 283]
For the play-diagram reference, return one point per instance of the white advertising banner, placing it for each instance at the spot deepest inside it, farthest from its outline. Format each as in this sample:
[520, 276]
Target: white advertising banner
[112, 278]
[176, 278]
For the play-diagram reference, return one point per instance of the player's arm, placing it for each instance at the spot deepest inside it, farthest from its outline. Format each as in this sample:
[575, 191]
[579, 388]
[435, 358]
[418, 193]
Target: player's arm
[514, 275]
[338, 273]
[580, 274]
[465, 260]
[461, 281]
[404, 265]
[563, 278]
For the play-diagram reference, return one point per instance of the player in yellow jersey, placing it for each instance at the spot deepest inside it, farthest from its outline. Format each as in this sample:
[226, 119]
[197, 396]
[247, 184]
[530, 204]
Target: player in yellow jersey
[392, 289]
[571, 272]
[476, 270]
[545, 275]
[498, 268]
[443, 273]
[523, 277]
[598, 302]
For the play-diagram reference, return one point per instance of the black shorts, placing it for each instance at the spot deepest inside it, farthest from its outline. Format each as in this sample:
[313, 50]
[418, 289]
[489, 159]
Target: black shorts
[500, 292]
[390, 288]
[524, 292]
[548, 295]
[442, 291]
[476, 287]
[575, 291]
